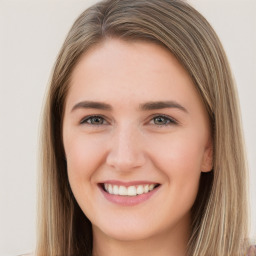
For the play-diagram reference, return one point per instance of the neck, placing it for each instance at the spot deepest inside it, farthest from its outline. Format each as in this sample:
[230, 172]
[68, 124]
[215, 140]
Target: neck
[171, 243]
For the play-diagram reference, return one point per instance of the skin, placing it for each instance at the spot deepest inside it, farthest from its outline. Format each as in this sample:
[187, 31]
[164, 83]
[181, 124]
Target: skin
[130, 144]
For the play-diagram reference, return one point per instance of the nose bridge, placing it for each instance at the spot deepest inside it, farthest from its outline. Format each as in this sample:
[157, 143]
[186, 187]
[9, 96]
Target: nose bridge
[126, 149]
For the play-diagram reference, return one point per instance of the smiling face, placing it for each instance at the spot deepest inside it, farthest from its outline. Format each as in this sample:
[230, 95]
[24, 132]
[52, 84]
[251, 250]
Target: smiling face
[136, 136]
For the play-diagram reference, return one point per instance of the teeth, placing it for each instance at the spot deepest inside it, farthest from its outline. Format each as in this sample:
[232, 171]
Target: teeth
[140, 190]
[128, 191]
[151, 187]
[115, 190]
[131, 191]
[122, 191]
[110, 190]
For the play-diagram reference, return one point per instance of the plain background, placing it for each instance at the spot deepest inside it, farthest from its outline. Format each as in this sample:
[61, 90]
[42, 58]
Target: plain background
[31, 34]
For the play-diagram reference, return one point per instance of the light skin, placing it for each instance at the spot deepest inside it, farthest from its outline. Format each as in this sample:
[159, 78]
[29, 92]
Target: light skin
[169, 146]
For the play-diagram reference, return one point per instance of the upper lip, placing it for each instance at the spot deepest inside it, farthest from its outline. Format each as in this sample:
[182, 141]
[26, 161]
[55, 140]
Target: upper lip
[129, 183]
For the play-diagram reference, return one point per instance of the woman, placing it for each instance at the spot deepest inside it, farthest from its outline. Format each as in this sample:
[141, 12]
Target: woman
[139, 155]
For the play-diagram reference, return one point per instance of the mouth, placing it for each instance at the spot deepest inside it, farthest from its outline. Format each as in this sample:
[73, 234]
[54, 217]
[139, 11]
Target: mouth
[130, 191]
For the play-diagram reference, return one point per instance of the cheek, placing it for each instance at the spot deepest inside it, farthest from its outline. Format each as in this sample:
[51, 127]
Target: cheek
[84, 157]
[179, 158]
[178, 154]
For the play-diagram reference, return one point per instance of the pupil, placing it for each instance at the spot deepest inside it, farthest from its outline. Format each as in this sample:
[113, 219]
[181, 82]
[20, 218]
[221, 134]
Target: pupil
[160, 120]
[96, 120]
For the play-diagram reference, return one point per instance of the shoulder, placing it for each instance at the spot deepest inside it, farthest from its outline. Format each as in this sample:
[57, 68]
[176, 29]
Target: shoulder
[252, 251]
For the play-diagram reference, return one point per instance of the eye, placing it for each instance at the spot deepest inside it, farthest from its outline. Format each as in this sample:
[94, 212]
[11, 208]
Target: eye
[159, 120]
[162, 120]
[93, 120]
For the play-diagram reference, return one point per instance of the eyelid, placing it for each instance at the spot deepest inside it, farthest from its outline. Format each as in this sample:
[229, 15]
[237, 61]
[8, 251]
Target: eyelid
[172, 121]
[83, 121]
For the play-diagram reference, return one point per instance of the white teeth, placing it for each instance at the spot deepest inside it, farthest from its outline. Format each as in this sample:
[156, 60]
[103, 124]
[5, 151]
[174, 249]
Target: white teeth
[110, 190]
[122, 191]
[128, 191]
[151, 187]
[140, 190]
[131, 191]
[115, 190]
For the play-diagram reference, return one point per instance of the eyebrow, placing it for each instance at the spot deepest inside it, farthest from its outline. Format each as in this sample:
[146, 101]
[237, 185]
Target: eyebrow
[152, 105]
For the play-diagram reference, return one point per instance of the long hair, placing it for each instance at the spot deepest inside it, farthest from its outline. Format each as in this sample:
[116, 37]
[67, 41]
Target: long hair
[219, 214]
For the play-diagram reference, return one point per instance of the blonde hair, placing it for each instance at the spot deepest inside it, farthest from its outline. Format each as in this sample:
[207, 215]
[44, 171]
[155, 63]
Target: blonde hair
[219, 214]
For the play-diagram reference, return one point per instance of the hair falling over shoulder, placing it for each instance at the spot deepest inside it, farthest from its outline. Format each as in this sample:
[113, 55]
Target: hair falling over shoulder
[219, 215]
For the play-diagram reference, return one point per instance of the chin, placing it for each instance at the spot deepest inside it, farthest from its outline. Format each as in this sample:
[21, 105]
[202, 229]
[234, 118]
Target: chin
[127, 231]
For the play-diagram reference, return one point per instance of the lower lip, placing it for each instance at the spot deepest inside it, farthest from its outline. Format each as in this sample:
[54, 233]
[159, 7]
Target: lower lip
[129, 200]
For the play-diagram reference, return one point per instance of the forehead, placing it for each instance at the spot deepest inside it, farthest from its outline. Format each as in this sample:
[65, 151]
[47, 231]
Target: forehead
[125, 72]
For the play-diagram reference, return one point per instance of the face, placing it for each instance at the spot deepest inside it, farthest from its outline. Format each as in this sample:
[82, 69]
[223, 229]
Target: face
[136, 136]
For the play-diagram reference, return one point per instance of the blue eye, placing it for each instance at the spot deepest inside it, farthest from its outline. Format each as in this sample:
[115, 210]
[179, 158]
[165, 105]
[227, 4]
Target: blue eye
[161, 120]
[93, 120]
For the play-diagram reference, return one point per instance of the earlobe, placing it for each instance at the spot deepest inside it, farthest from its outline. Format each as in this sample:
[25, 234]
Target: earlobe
[207, 163]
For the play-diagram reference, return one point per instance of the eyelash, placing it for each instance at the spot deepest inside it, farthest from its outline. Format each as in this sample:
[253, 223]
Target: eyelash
[170, 120]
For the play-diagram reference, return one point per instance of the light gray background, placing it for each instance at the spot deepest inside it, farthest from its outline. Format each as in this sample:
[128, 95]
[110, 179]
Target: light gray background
[31, 33]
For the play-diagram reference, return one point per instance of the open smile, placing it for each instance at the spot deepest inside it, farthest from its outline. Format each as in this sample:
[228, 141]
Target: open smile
[129, 191]
[126, 194]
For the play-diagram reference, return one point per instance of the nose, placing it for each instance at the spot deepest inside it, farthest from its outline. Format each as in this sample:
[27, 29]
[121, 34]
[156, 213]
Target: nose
[126, 149]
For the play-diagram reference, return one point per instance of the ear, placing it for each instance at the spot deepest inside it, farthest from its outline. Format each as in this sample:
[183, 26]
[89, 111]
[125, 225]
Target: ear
[207, 161]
